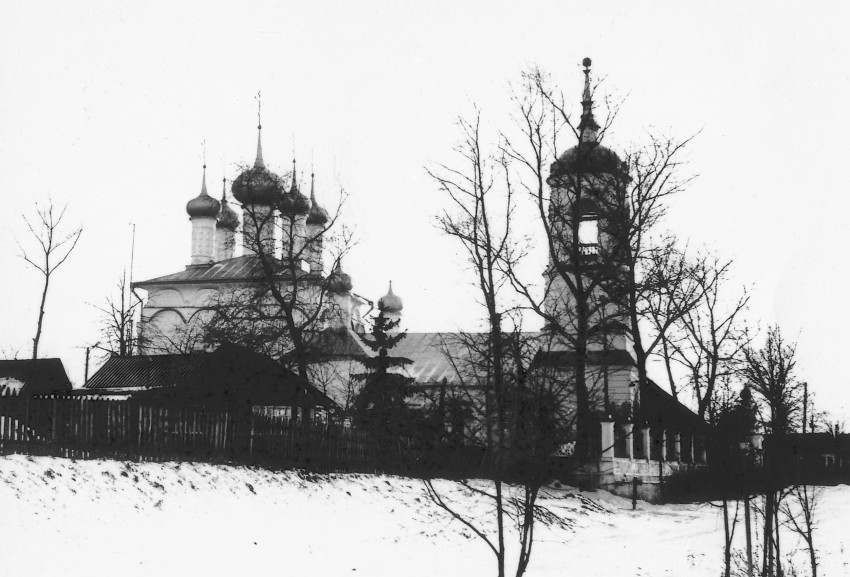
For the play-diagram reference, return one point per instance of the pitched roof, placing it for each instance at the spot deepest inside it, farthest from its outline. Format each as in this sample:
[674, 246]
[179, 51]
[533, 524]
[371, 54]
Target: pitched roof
[38, 375]
[341, 344]
[148, 371]
[237, 269]
[659, 406]
[430, 363]
[231, 375]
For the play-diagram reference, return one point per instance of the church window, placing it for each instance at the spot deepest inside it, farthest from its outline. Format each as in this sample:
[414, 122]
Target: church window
[588, 234]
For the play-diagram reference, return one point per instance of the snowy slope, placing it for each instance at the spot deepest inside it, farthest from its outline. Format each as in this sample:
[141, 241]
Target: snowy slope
[92, 518]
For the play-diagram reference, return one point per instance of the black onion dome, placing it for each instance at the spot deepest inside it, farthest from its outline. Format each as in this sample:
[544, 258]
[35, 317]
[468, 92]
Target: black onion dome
[390, 302]
[589, 158]
[293, 203]
[203, 205]
[227, 218]
[318, 215]
[257, 185]
[339, 282]
[301, 203]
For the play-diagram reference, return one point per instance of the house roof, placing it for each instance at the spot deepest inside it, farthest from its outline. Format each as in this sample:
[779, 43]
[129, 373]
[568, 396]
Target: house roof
[237, 269]
[38, 375]
[230, 375]
[144, 372]
[657, 406]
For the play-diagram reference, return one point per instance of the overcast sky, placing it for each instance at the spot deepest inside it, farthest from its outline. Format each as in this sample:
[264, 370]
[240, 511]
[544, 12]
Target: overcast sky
[105, 106]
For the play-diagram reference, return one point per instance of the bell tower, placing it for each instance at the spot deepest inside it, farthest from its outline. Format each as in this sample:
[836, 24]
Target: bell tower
[584, 276]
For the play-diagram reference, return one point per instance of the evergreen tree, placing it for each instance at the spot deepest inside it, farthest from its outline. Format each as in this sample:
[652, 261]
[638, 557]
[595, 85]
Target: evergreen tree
[379, 407]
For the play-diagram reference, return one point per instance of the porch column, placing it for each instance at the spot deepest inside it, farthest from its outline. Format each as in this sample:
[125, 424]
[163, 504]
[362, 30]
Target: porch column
[628, 428]
[691, 449]
[663, 440]
[644, 441]
[700, 449]
[677, 446]
[607, 447]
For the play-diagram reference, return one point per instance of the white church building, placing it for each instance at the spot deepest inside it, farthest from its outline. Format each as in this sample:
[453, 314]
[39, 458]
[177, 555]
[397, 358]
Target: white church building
[177, 304]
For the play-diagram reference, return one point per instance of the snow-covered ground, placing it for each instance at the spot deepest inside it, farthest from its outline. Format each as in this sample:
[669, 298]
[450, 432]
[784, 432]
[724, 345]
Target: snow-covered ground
[92, 518]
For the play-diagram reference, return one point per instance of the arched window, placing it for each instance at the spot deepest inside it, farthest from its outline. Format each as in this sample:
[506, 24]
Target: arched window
[588, 234]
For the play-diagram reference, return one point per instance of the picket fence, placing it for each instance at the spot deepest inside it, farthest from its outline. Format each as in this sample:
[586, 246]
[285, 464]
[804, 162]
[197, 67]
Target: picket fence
[85, 428]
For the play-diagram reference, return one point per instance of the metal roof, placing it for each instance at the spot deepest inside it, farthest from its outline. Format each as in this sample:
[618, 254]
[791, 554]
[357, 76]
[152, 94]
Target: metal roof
[144, 372]
[237, 269]
[231, 374]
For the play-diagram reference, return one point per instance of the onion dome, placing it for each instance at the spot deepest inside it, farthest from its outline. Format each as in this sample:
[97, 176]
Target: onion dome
[390, 302]
[227, 218]
[318, 215]
[257, 185]
[588, 157]
[203, 205]
[339, 282]
[293, 203]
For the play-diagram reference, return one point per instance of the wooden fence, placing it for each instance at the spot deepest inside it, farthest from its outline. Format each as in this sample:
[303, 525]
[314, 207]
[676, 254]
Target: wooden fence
[129, 429]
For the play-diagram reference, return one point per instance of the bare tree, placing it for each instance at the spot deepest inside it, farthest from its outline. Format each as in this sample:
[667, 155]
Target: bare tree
[799, 516]
[707, 339]
[608, 266]
[516, 406]
[770, 373]
[117, 328]
[290, 302]
[574, 307]
[54, 246]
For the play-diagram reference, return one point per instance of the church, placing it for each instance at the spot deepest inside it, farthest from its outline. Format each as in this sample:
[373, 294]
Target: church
[177, 304]
[281, 225]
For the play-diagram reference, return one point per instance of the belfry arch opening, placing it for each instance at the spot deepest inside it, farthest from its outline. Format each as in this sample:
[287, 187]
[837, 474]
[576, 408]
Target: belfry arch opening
[588, 234]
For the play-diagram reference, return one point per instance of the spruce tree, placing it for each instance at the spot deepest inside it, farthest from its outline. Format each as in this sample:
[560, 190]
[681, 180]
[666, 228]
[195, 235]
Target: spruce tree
[379, 407]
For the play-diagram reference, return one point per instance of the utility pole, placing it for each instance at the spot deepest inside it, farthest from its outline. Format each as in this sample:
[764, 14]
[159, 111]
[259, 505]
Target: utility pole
[805, 404]
[86, 379]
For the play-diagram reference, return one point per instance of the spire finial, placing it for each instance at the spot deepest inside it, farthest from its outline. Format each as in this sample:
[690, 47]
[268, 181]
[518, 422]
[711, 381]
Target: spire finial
[223, 187]
[389, 292]
[587, 127]
[294, 186]
[258, 162]
[204, 177]
[313, 187]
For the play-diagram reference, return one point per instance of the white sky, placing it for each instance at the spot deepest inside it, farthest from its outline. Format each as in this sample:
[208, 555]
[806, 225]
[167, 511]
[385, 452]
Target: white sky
[105, 105]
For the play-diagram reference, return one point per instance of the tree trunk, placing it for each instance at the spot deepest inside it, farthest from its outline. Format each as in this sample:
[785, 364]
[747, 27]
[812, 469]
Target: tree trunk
[748, 535]
[767, 569]
[500, 523]
[778, 550]
[40, 317]
[727, 548]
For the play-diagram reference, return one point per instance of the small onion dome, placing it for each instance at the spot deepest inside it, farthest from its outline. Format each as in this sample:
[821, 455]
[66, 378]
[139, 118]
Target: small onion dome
[257, 185]
[293, 202]
[589, 158]
[339, 282]
[203, 205]
[390, 302]
[318, 215]
[227, 218]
